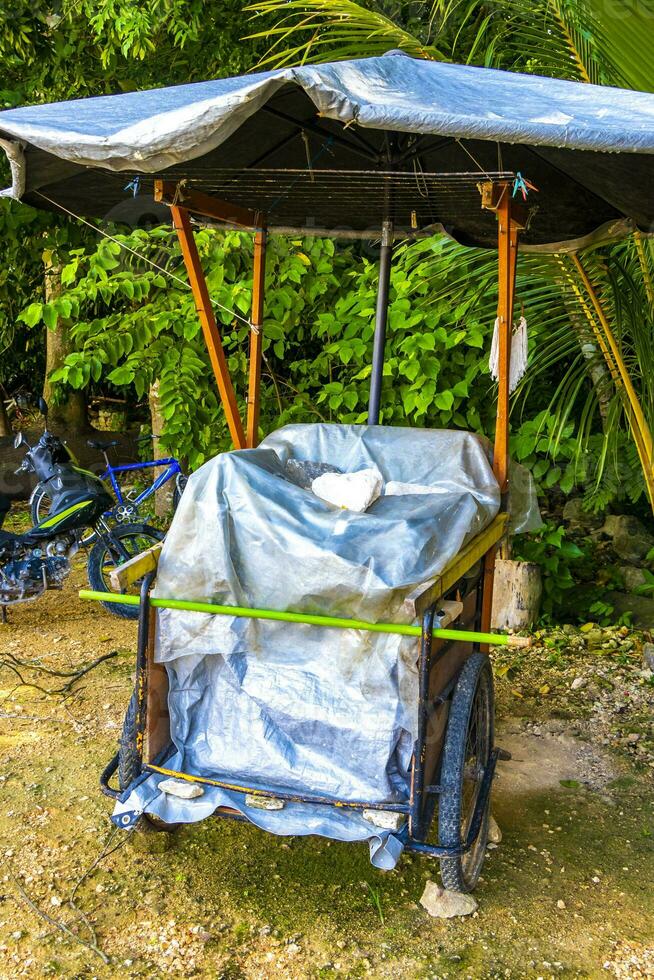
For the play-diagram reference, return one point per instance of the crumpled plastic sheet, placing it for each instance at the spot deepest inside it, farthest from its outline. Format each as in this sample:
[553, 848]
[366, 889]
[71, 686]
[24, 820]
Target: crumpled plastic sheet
[331, 712]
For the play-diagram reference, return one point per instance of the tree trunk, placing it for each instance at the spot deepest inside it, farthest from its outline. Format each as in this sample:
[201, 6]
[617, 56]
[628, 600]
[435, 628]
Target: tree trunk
[70, 413]
[5, 426]
[163, 498]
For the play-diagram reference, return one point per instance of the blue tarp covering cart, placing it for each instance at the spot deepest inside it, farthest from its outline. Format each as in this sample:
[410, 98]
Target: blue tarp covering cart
[335, 679]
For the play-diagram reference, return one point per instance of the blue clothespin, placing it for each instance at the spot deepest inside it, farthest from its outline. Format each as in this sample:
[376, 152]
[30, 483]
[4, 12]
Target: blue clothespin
[519, 184]
[523, 185]
[133, 186]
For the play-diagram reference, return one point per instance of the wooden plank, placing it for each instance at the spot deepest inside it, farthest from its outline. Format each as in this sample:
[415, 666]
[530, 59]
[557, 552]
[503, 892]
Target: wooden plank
[256, 337]
[167, 192]
[210, 330]
[157, 718]
[487, 597]
[421, 597]
[125, 575]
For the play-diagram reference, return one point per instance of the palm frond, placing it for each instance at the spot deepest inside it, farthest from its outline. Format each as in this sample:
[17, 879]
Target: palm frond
[334, 30]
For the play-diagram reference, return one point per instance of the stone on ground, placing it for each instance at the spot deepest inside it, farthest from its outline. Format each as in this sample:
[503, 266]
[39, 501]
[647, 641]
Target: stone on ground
[494, 832]
[631, 539]
[443, 904]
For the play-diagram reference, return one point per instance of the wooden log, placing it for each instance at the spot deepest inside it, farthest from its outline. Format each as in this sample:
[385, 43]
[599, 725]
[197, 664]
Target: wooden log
[131, 571]
[516, 594]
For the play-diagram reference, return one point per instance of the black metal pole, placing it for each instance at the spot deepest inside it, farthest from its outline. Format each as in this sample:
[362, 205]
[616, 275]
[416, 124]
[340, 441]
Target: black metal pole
[381, 316]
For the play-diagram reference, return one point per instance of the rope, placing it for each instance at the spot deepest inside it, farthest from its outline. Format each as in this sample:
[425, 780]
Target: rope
[474, 159]
[139, 255]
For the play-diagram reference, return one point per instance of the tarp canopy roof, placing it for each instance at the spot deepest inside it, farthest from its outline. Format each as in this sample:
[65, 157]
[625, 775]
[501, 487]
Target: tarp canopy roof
[340, 146]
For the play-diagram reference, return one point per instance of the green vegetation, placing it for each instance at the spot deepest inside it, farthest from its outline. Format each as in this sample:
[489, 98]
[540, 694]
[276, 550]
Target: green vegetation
[120, 324]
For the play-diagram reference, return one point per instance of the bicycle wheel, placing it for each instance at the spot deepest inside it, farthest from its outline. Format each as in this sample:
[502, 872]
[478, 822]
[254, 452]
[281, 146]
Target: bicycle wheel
[466, 753]
[180, 485]
[125, 541]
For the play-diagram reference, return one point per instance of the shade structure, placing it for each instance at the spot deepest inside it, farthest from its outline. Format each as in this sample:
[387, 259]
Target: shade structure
[344, 146]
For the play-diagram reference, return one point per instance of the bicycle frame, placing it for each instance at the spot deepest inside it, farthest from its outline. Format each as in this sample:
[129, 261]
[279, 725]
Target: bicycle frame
[172, 470]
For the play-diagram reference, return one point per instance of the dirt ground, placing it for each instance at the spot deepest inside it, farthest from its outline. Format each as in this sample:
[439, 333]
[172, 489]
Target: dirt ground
[569, 891]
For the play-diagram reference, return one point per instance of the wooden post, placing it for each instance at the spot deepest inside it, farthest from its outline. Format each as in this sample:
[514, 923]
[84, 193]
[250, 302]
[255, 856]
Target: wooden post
[497, 197]
[256, 337]
[507, 254]
[182, 224]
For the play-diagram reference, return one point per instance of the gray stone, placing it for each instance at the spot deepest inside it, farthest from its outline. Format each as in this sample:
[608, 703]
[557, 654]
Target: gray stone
[631, 539]
[641, 608]
[578, 683]
[648, 656]
[575, 516]
[632, 577]
[494, 832]
[611, 522]
[443, 904]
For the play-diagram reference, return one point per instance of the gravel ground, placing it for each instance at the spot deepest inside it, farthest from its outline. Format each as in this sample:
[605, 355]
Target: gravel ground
[567, 893]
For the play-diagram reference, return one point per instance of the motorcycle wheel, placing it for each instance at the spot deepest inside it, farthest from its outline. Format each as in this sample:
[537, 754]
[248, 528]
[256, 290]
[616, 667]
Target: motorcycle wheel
[39, 503]
[124, 542]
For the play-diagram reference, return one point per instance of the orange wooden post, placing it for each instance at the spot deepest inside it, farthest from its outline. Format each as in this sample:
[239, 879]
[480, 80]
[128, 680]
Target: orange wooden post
[256, 337]
[182, 224]
[507, 254]
[498, 199]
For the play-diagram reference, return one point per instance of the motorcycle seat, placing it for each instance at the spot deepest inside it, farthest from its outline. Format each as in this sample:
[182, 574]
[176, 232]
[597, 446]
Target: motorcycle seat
[101, 445]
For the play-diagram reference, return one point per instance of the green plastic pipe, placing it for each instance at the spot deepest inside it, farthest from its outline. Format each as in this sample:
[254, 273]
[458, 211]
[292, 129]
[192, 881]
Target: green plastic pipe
[496, 639]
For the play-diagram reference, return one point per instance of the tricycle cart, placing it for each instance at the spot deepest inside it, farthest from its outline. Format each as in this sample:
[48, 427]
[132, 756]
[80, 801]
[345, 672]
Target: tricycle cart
[382, 148]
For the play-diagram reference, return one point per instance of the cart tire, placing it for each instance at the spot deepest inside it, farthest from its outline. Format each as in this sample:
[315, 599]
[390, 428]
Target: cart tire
[129, 767]
[469, 736]
[134, 538]
[129, 758]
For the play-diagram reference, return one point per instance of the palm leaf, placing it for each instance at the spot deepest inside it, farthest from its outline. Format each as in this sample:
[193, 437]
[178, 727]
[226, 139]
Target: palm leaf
[334, 30]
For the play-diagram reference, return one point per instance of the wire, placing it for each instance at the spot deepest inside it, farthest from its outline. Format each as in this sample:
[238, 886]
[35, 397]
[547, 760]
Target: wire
[474, 160]
[139, 255]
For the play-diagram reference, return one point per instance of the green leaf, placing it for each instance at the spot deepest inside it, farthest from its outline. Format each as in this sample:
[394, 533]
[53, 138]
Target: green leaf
[32, 315]
[444, 400]
[50, 316]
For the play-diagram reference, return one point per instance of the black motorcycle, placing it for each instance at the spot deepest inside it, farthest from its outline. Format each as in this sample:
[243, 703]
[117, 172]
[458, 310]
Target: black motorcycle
[39, 559]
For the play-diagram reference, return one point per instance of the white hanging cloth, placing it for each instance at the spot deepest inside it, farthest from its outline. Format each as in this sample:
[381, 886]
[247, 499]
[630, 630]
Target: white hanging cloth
[519, 353]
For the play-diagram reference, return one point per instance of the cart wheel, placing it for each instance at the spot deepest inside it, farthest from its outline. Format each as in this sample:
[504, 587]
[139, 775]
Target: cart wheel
[129, 765]
[466, 752]
[129, 759]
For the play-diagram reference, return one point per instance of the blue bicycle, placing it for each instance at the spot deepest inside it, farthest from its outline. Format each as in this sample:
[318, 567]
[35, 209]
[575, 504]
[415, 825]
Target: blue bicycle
[127, 504]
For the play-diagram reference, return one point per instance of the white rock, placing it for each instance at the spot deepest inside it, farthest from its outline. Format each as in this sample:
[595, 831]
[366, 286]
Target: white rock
[181, 789]
[263, 802]
[386, 819]
[443, 904]
[494, 832]
[351, 491]
[578, 683]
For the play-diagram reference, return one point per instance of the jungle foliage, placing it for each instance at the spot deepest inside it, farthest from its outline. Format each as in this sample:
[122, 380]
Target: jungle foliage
[132, 324]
